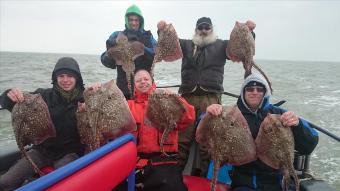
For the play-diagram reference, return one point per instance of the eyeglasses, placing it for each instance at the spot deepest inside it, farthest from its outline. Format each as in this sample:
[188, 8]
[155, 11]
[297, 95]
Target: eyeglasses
[201, 27]
[252, 88]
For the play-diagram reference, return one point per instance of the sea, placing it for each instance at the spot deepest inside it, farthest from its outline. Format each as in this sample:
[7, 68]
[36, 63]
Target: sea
[310, 88]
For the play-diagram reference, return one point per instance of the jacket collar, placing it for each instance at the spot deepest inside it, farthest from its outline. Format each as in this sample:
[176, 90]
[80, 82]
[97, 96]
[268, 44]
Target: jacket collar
[142, 97]
[245, 109]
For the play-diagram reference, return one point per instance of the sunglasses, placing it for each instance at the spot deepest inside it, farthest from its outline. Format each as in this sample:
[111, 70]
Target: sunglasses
[204, 27]
[252, 88]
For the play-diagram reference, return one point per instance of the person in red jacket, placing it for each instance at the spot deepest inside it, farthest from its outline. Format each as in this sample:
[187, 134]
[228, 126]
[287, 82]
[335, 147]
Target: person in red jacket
[156, 172]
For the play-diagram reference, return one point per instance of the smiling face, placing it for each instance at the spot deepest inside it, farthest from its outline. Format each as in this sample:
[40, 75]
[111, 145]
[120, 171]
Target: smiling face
[66, 81]
[253, 95]
[143, 81]
[134, 22]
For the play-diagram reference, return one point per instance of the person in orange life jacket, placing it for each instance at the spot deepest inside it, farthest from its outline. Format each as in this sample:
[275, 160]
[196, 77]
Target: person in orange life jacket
[134, 30]
[167, 175]
[254, 105]
[202, 73]
[164, 177]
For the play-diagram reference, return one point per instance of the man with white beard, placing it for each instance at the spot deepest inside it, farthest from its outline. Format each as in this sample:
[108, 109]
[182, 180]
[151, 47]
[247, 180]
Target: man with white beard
[202, 73]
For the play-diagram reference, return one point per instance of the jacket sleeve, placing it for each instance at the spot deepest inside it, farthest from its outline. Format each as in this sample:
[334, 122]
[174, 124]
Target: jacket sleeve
[5, 102]
[188, 117]
[226, 45]
[106, 61]
[151, 51]
[305, 137]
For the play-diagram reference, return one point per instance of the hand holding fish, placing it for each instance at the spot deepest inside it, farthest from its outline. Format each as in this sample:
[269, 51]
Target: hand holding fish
[81, 107]
[95, 86]
[168, 91]
[168, 47]
[161, 26]
[251, 25]
[214, 109]
[16, 95]
[289, 119]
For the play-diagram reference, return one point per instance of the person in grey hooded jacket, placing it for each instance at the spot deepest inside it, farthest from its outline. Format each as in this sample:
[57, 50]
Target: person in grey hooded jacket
[254, 105]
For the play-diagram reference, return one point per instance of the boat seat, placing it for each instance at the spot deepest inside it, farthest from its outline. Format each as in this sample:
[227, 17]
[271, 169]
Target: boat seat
[195, 183]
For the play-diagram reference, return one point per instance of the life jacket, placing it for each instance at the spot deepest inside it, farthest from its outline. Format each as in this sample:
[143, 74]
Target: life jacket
[148, 137]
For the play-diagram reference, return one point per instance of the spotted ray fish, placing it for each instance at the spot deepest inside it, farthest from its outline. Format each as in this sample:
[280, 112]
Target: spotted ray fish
[168, 47]
[86, 132]
[108, 115]
[163, 111]
[227, 139]
[241, 47]
[32, 124]
[125, 53]
[275, 147]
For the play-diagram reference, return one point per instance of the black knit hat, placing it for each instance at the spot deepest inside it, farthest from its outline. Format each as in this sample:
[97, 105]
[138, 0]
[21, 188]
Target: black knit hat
[203, 20]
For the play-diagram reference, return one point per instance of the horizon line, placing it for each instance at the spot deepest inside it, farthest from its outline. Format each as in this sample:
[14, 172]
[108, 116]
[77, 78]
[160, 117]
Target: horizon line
[262, 59]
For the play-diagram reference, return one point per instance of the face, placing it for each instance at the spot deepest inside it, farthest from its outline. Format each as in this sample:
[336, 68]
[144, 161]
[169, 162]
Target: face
[143, 81]
[203, 30]
[66, 81]
[134, 22]
[253, 96]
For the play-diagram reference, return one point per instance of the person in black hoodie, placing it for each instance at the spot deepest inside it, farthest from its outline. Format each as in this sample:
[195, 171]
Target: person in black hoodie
[134, 31]
[254, 105]
[62, 101]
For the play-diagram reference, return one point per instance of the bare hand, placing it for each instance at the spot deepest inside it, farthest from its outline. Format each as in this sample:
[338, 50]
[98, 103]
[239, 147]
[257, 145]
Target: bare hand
[15, 95]
[161, 25]
[81, 107]
[289, 119]
[251, 25]
[95, 86]
[168, 91]
[214, 109]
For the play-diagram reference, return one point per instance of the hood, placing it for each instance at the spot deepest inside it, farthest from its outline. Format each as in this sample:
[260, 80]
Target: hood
[69, 65]
[141, 97]
[133, 9]
[258, 78]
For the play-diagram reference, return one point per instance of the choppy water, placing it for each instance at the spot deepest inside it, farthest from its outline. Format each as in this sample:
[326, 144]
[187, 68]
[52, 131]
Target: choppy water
[311, 89]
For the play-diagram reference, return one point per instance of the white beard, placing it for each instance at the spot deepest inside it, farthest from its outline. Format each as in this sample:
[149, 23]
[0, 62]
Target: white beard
[202, 41]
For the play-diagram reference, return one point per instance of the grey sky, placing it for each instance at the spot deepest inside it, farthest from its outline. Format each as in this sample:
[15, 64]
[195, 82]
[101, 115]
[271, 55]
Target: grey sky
[288, 30]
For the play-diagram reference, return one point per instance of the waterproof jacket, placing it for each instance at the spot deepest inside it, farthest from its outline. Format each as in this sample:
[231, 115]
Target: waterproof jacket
[148, 137]
[142, 62]
[64, 120]
[256, 174]
[205, 68]
[62, 113]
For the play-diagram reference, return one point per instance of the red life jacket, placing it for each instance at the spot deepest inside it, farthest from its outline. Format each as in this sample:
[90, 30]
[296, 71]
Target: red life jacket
[148, 137]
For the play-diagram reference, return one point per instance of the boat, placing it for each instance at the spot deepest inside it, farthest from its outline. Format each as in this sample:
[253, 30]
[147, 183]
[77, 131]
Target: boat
[96, 171]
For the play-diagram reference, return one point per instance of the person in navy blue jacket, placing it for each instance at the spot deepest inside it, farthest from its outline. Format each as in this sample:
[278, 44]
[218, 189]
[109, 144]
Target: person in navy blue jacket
[134, 30]
[254, 105]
